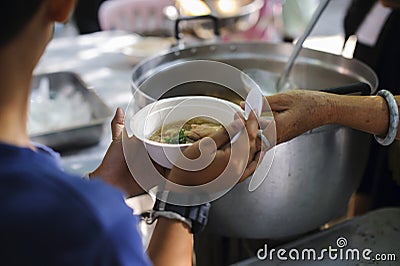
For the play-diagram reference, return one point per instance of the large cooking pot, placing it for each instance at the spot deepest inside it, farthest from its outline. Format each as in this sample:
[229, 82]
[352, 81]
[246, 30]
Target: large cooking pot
[312, 176]
[233, 15]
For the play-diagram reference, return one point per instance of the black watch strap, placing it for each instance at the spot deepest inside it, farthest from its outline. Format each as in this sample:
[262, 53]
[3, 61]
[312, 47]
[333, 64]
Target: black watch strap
[198, 214]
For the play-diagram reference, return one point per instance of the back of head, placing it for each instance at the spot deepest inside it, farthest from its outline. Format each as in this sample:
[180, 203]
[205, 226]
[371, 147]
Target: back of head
[14, 16]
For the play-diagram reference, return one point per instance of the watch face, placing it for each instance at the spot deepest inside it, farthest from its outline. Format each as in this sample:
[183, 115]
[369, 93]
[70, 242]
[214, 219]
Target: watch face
[391, 3]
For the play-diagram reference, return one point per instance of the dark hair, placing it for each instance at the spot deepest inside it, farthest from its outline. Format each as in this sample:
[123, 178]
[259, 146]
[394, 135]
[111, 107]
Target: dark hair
[14, 15]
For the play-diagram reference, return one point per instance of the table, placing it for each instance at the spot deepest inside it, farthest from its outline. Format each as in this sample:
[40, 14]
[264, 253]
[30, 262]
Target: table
[98, 59]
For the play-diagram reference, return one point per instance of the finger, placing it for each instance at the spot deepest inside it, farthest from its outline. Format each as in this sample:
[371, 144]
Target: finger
[251, 167]
[270, 132]
[238, 115]
[252, 126]
[117, 124]
[258, 144]
[265, 121]
[223, 136]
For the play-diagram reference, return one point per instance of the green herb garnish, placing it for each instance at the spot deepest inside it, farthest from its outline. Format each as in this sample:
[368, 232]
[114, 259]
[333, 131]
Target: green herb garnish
[179, 138]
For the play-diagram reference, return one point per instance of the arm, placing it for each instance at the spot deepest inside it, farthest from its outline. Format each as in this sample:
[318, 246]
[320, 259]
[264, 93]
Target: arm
[298, 111]
[369, 114]
[172, 241]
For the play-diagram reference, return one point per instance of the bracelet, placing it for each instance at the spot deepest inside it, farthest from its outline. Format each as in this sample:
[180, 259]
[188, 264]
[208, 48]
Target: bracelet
[393, 118]
[151, 216]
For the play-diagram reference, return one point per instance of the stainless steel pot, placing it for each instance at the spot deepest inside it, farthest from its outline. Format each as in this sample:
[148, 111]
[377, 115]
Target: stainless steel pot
[312, 176]
[243, 14]
[233, 15]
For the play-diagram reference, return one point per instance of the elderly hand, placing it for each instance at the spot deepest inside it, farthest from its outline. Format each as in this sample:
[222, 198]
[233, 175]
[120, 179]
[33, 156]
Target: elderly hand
[298, 111]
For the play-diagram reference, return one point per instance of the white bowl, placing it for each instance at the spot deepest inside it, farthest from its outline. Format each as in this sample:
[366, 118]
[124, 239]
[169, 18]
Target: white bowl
[163, 112]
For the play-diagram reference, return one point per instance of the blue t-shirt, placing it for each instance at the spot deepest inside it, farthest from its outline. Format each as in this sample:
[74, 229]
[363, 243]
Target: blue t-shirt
[49, 217]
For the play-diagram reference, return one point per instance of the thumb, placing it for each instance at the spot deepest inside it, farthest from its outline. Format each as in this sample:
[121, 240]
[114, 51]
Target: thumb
[117, 124]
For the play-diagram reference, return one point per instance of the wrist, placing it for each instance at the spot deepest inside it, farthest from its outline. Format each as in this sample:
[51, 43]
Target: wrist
[329, 110]
[195, 217]
[173, 222]
[128, 186]
[96, 173]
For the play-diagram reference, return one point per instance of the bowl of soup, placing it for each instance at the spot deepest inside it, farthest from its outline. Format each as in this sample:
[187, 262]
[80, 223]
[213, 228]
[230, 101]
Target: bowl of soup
[168, 126]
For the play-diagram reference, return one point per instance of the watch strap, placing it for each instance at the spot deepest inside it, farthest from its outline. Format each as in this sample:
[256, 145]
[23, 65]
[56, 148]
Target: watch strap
[197, 214]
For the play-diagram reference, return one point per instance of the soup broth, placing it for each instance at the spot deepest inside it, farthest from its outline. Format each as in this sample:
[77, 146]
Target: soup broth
[191, 131]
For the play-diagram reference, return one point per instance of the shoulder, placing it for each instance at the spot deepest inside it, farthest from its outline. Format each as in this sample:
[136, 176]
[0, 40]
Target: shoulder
[64, 213]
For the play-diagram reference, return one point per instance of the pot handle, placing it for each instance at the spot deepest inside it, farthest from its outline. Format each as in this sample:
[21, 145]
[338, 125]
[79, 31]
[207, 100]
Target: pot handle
[358, 87]
[210, 17]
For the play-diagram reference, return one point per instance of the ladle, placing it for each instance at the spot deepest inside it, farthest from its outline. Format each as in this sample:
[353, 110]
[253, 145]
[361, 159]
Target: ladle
[299, 45]
[272, 82]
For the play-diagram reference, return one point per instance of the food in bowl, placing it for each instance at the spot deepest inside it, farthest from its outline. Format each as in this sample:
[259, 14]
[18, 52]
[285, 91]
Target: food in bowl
[182, 132]
[148, 120]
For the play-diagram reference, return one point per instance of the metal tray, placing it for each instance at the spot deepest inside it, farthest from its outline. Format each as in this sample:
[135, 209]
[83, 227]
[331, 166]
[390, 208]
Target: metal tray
[68, 138]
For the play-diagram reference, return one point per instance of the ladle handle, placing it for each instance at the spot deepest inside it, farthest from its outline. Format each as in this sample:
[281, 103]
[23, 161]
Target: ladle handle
[299, 45]
[359, 87]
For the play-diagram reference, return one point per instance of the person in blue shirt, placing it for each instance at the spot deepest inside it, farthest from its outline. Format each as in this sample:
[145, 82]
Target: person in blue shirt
[49, 217]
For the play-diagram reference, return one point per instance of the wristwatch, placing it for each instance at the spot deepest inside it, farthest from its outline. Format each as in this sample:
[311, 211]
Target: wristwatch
[197, 215]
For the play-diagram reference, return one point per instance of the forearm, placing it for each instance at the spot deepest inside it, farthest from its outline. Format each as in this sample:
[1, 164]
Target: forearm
[171, 243]
[369, 114]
